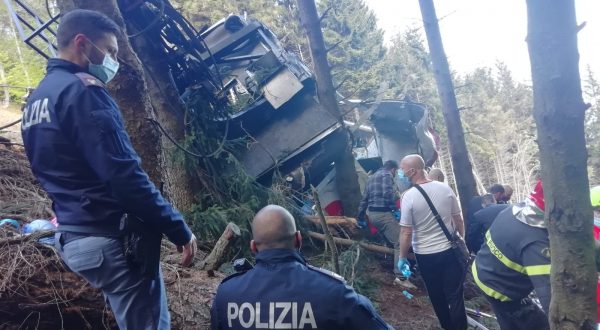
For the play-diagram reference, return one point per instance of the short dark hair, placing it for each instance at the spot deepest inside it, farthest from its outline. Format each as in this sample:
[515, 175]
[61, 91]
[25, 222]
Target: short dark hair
[496, 188]
[390, 165]
[82, 21]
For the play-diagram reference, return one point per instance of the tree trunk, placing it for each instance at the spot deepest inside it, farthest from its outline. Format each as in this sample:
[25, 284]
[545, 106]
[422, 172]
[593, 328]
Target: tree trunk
[346, 177]
[140, 98]
[559, 114]
[463, 171]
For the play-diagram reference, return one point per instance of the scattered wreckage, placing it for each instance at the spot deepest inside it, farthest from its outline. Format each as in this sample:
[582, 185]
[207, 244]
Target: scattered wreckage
[264, 93]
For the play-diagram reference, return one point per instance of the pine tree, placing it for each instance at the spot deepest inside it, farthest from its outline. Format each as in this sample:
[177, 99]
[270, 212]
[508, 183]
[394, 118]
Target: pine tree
[356, 46]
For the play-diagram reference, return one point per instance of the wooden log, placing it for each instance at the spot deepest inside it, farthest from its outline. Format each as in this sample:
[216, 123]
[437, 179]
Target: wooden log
[334, 220]
[366, 246]
[214, 260]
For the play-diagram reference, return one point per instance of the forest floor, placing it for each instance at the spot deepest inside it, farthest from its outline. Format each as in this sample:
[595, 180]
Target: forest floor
[415, 313]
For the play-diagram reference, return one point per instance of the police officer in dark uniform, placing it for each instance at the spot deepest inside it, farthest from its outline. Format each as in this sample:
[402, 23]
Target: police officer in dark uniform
[513, 261]
[283, 292]
[80, 153]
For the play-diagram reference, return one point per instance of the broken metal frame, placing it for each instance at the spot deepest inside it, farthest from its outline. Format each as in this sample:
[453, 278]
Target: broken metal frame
[38, 31]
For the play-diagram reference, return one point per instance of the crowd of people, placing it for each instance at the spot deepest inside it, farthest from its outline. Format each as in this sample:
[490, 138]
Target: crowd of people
[95, 179]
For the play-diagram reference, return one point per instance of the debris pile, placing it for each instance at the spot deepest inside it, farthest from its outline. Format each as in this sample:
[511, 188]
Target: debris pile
[20, 196]
[38, 291]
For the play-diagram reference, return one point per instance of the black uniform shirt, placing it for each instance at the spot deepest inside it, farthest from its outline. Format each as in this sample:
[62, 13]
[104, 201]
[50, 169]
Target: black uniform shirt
[80, 153]
[283, 292]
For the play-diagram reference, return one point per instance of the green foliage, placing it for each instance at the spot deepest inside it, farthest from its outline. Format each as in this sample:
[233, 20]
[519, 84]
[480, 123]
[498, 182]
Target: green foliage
[499, 128]
[21, 67]
[227, 193]
[280, 16]
[350, 27]
[355, 267]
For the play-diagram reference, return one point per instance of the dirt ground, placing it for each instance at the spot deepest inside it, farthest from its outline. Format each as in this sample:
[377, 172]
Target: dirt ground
[9, 115]
[416, 313]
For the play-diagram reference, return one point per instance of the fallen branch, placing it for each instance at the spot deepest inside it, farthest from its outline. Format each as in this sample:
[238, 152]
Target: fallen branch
[366, 246]
[215, 258]
[329, 238]
[27, 238]
[11, 124]
[334, 220]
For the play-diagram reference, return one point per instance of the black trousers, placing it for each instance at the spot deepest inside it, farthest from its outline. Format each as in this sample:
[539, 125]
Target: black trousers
[519, 315]
[444, 276]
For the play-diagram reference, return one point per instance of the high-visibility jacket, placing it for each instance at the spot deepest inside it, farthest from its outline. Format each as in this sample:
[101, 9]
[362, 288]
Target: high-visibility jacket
[514, 260]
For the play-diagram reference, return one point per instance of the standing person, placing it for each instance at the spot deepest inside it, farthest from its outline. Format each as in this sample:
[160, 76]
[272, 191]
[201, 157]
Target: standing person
[379, 203]
[482, 221]
[436, 175]
[515, 260]
[507, 195]
[440, 267]
[496, 192]
[284, 292]
[80, 153]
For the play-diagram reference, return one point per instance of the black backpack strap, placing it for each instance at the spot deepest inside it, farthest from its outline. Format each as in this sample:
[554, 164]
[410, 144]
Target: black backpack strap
[435, 212]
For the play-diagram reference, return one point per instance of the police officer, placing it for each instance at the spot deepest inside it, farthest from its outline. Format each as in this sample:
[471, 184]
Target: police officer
[283, 291]
[80, 153]
[513, 261]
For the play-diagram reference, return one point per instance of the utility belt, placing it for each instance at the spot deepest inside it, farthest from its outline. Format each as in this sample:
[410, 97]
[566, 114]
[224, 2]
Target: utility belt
[141, 244]
[379, 209]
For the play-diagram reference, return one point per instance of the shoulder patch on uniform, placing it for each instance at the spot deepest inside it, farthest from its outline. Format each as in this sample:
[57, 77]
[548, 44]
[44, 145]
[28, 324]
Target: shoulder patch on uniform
[232, 276]
[89, 80]
[326, 272]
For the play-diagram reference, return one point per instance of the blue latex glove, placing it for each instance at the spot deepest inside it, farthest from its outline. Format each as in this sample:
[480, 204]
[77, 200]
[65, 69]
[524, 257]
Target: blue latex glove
[396, 214]
[362, 223]
[404, 267]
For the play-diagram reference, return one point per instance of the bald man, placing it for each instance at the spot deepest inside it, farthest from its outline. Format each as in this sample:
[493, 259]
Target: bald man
[441, 270]
[282, 291]
[436, 175]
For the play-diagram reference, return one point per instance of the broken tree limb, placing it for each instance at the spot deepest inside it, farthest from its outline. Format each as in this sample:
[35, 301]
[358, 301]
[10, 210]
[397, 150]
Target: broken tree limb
[339, 225]
[366, 246]
[215, 258]
[334, 220]
[330, 241]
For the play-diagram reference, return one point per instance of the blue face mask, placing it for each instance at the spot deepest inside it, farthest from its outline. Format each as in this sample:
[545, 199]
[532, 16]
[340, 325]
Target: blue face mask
[105, 71]
[403, 179]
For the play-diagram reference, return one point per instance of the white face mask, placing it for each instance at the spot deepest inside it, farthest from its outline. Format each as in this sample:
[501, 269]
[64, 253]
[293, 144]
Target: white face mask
[105, 71]
[597, 222]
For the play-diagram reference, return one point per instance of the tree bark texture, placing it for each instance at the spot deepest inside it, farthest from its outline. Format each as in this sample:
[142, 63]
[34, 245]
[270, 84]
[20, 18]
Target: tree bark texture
[461, 165]
[139, 100]
[346, 177]
[559, 114]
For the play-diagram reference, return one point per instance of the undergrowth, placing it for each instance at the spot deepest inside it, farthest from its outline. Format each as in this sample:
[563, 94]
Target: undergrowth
[226, 193]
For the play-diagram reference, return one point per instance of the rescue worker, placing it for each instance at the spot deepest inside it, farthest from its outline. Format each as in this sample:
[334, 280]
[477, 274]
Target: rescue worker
[379, 203]
[80, 153]
[436, 175]
[508, 192]
[282, 291]
[513, 261]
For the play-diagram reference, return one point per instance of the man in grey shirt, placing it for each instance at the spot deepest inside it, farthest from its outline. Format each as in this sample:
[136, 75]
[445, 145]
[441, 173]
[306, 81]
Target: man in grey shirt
[441, 270]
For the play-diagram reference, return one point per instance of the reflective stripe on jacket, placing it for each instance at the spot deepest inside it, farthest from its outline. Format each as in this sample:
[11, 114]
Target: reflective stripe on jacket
[514, 259]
